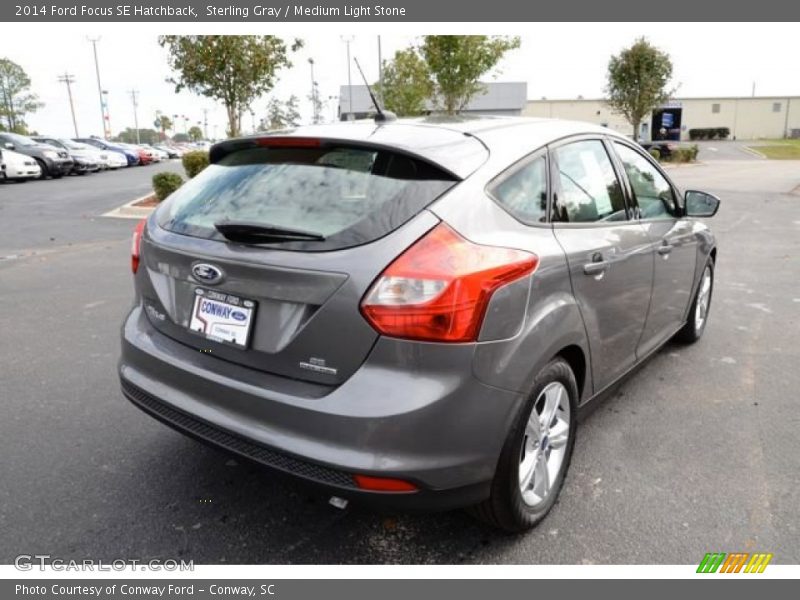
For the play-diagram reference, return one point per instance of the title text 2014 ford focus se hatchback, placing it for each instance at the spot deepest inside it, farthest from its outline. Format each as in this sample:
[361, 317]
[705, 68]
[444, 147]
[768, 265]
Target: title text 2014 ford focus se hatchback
[413, 311]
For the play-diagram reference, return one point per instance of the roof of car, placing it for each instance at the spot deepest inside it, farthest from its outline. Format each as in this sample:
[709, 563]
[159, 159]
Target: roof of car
[458, 144]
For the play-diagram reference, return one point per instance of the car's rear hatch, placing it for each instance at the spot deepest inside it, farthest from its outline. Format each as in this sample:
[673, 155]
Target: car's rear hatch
[296, 300]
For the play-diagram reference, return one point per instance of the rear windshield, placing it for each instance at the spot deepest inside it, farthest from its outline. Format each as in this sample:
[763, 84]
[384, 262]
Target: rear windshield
[350, 196]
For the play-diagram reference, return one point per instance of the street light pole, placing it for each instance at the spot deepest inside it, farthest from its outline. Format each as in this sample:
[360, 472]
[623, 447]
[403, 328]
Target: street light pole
[134, 93]
[99, 87]
[69, 80]
[350, 114]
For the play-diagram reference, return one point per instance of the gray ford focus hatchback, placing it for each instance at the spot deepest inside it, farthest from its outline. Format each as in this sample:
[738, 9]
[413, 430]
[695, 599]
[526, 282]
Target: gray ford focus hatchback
[413, 312]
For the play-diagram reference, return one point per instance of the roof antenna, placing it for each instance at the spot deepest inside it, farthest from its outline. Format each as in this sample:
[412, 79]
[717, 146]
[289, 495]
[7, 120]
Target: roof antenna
[383, 115]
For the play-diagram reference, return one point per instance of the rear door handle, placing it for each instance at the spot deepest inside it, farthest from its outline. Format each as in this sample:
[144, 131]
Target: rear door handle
[665, 249]
[595, 268]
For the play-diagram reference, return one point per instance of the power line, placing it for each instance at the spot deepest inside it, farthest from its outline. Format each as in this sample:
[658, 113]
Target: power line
[69, 79]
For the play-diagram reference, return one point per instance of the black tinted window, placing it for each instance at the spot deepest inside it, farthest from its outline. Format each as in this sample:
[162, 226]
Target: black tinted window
[524, 192]
[348, 195]
[588, 186]
[653, 192]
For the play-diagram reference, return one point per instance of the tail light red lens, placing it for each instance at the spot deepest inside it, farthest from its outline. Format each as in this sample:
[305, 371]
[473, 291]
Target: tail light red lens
[383, 484]
[136, 245]
[439, 288]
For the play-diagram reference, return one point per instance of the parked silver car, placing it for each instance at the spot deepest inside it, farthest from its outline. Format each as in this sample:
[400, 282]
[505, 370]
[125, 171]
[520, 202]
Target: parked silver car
[413, 312]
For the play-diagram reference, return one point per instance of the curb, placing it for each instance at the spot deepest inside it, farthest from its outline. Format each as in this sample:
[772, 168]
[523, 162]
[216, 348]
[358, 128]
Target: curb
[129, 211]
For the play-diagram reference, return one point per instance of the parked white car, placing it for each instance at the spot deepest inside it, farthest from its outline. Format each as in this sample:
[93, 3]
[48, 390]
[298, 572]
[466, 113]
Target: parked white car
[18, 167]
[105, 158]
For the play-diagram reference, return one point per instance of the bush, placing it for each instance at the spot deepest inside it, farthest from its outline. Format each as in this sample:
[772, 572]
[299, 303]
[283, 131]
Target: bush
[655, 153]
[685, 154]
[709, 133]
[165, 183]
[194, 162]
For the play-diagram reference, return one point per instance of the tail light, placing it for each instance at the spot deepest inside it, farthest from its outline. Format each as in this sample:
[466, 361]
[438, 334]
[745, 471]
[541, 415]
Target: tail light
[271, 141]
[439, 288]
[136, 245]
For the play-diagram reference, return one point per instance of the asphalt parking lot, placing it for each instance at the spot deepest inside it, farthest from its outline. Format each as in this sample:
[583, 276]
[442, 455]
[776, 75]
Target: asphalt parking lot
[699, 451]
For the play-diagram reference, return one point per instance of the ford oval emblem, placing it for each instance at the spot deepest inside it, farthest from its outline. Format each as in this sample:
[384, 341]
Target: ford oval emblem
[206, 273]
[238, 315]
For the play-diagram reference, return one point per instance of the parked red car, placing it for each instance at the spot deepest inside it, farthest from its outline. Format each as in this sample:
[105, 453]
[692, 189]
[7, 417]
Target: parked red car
[145, 156]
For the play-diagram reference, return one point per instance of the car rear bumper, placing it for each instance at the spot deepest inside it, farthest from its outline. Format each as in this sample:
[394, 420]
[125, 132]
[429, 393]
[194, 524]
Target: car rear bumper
[433, 425]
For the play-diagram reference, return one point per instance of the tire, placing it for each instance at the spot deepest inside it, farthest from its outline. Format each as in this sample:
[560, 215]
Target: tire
[697, 321]
[43, 167]
[507, 507]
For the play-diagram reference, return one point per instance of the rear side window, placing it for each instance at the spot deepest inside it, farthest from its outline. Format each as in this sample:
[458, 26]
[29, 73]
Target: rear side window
[349, 195]
[524, 192]
[589, 190]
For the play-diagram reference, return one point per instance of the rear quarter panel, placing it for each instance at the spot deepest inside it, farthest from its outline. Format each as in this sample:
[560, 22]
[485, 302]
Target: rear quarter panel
[549, 320]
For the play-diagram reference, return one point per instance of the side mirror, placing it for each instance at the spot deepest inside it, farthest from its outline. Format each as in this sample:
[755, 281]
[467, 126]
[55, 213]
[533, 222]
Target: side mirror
[700, 204]
[9, 145]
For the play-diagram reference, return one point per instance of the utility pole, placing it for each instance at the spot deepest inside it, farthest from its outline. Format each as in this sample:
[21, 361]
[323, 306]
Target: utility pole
[205, 123]
[69, 80]
[350, 113]
[134, 94]
[103, 110]
[314, 103]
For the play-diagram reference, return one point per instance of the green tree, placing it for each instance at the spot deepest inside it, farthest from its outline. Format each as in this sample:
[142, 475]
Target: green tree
[457, 62]
[146, 136]
[637, 81]
[164, 124]
[195, 133]
[16, 99]
[407, 83]
[233, 69]
[280, 114]
[181, 138]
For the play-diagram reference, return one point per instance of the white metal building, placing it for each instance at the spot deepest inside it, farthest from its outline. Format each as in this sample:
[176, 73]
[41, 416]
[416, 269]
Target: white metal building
[745, 117]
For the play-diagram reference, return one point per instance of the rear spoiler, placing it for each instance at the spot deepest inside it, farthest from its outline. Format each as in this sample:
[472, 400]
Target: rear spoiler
[457, 163]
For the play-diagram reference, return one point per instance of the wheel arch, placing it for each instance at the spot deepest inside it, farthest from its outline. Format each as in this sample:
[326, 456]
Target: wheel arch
[576, 359]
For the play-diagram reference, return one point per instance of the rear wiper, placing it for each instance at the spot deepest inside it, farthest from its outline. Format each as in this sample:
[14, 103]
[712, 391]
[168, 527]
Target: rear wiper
[256, 233]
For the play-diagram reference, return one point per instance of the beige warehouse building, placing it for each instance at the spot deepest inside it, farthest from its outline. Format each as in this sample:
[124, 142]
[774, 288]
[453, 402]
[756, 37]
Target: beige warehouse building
[747, 117]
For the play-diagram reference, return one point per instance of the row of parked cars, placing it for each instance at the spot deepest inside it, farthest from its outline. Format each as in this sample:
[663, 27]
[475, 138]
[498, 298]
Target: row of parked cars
[30, 157]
